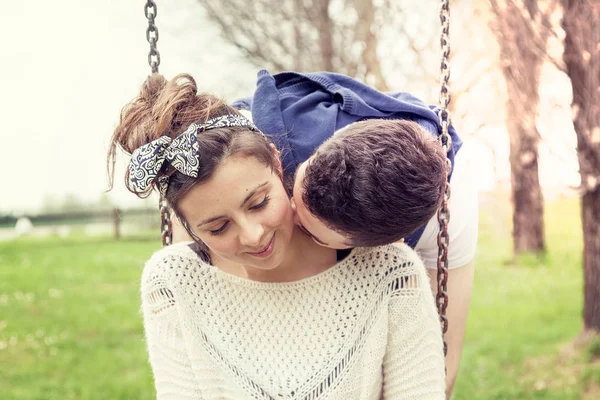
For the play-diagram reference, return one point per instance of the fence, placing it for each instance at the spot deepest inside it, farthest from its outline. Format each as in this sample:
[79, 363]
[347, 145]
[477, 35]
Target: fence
[114, 221]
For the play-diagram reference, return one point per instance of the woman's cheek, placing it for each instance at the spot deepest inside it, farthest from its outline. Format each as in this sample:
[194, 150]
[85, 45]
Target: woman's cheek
[221, 245]
[281, 214]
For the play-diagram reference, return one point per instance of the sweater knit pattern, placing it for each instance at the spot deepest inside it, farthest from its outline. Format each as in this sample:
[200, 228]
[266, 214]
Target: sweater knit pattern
[365, 328]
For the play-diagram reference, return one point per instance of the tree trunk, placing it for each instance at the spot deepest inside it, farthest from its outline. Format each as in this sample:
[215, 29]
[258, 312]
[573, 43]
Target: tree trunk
[526, 193]
[364, 32]
[325, 28]
[590, 214]
[521, 65]
[581, 22]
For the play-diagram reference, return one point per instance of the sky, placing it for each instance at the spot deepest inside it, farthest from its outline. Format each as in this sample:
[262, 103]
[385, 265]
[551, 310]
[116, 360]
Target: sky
[69, 66]
[67, 69]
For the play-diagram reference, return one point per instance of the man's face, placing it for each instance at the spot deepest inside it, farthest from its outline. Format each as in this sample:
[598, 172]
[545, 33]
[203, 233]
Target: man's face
[310, 224]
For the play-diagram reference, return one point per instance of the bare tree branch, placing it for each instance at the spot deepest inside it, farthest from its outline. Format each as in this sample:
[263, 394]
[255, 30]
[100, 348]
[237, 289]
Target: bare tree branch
[336, 35]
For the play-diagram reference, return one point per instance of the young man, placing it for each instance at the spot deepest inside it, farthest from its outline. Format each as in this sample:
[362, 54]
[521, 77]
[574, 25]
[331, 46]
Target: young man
[300, 112]
[375, 182]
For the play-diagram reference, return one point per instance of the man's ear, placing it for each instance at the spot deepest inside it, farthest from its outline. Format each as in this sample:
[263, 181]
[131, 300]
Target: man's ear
[278, 164]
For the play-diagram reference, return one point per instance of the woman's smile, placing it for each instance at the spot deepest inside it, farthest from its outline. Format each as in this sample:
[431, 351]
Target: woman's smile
[266, 251]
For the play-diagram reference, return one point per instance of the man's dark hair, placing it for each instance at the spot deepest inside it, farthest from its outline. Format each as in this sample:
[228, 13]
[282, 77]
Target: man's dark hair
[376, 181]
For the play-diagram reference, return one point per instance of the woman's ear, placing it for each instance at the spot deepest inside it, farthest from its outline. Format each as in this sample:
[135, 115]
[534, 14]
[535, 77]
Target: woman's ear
[278, 164]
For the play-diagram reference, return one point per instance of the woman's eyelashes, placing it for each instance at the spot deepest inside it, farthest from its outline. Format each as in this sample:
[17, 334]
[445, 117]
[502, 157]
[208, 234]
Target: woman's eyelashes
[262, 204]
[220, 230]
[258, 206]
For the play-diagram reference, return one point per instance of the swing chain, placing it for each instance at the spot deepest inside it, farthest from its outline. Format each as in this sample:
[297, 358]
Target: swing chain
[150, 10]
[445, 97]
[443, 216]
[166, 227]
[443, 241]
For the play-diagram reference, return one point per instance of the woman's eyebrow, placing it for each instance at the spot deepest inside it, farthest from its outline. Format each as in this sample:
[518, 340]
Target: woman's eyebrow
[252, 193]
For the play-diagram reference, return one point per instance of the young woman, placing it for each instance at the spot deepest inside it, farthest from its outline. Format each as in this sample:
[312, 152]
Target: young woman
[254, 308]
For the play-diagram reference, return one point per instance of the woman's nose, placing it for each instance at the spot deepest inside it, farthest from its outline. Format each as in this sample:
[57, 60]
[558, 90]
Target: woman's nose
[251, 235]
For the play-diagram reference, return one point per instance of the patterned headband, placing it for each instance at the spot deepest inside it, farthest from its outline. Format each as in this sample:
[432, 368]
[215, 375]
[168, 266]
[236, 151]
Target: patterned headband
[181, 153]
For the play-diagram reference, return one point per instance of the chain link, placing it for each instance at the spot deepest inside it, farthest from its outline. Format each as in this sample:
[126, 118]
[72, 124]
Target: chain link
[443, 216]
[166, 227]
[150, 11]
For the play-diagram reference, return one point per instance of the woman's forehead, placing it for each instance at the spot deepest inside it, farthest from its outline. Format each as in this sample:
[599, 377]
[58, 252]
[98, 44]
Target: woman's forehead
[233, 183]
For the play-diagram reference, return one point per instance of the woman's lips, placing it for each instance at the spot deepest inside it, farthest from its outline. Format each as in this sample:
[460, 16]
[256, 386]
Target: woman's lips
[267, 251]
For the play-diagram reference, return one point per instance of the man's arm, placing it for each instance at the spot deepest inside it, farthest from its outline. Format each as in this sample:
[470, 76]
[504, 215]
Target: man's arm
[460, 286]
[463, 232]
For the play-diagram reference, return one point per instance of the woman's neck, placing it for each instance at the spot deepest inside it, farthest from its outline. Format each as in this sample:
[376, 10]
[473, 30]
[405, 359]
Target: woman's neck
[304, 258]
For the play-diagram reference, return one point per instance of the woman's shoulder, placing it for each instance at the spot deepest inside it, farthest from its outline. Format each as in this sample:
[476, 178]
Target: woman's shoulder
[170, 261]
[181, 249]
[389, 264]
[391, 254]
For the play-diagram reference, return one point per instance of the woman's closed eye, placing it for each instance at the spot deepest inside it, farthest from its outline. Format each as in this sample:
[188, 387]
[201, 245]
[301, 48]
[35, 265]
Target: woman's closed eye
[258, 206]
[262, 204]
[220, 230]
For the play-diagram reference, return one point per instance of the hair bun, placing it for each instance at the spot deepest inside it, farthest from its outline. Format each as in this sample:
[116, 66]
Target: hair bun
[175, 100]
[152, 88]
[162, 108]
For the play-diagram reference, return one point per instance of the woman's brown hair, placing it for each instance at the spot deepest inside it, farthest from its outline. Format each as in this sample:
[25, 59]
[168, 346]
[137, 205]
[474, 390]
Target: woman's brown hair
[167, 108]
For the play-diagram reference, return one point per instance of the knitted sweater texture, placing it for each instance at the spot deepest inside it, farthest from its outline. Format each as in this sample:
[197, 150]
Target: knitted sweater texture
[366, 328]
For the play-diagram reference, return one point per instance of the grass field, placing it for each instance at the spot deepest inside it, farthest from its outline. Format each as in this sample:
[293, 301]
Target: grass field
[70, 326]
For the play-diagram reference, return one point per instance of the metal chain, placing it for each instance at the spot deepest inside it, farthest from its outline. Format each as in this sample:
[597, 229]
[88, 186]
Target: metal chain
[166, 227]
[443, 239]
[151, 11]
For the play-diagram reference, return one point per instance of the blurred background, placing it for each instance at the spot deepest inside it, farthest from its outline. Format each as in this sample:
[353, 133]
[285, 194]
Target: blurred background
[525, 89]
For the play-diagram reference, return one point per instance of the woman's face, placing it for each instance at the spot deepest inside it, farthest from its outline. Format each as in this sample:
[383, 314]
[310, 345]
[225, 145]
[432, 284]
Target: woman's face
[242, 213]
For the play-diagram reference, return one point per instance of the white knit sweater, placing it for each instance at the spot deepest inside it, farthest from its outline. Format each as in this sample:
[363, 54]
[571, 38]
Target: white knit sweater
[366, 328]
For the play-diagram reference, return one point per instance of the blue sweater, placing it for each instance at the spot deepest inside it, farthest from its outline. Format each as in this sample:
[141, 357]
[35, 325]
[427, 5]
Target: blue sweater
[298, 112]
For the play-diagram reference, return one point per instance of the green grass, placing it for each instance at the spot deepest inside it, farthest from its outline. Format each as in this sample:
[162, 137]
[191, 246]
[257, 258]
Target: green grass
[523, 310]
[69, 320]
[70, 326]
